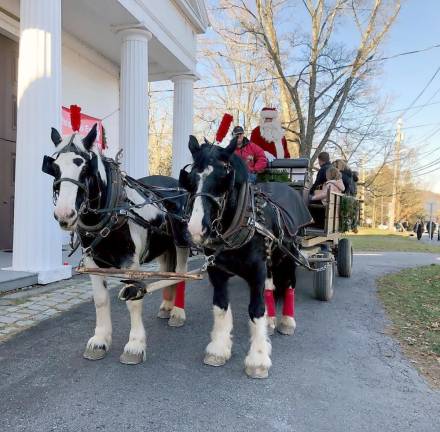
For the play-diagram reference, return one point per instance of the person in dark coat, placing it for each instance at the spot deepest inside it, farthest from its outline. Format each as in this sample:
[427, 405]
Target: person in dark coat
[324, 164]
[349, 177]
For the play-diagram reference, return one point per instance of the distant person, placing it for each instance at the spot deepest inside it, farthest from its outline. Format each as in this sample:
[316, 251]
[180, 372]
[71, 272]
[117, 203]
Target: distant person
[419, 228]
[324, 164]
[349, 177]
[252, 154]
[333, 183]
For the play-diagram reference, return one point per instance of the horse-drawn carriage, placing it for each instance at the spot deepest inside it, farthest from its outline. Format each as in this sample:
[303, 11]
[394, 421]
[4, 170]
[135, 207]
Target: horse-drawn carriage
[322, 242]
[258, 233]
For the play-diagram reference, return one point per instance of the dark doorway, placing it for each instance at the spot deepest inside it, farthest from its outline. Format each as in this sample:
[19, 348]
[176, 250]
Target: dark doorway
[8, 134]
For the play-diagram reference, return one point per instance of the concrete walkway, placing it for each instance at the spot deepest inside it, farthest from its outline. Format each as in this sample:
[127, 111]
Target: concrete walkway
[339, 372]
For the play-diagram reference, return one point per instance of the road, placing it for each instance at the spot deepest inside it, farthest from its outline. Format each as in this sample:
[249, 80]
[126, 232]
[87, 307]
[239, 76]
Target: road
[339, 372]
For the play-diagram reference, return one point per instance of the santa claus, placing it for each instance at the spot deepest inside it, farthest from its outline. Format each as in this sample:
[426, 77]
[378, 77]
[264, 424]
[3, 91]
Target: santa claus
[269, 135]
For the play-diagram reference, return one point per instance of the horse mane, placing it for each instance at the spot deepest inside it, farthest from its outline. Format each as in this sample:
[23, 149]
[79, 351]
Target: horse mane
[209, 151]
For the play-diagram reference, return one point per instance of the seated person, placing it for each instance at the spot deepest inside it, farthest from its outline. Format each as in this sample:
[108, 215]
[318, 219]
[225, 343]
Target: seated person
[325, 164]
[349, 177]
[334, 183]
[252, 154]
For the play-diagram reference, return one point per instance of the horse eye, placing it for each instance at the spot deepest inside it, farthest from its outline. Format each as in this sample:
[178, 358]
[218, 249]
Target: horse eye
[78, 161]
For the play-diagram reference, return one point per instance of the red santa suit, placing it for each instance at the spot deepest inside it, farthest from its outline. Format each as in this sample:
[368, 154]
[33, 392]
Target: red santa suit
[269, 135]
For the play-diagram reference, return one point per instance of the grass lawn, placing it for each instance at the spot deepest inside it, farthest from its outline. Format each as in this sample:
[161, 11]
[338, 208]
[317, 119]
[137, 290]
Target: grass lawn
[376, 240]
[412, 301]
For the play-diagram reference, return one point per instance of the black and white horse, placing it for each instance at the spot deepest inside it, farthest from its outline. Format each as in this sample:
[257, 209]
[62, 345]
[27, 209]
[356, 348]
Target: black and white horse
[215, 182]
[84, 184]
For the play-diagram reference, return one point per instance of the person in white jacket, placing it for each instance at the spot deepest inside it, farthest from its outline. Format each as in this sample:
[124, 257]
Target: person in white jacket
[334, 183]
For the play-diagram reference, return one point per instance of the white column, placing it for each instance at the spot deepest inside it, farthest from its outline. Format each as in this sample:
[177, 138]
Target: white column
[133, 120]
[37, 237]
[183, 117]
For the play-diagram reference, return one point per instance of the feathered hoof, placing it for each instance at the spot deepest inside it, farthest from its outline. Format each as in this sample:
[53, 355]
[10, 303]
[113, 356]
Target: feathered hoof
[257, 372]
[176, 321]
[94, 353]
[214, 360]
[131, 358]
[164, 314]
[285, 329]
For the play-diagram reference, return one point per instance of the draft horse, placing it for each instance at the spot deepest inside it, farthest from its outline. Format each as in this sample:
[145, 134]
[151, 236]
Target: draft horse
[122, 223]
[244, 231]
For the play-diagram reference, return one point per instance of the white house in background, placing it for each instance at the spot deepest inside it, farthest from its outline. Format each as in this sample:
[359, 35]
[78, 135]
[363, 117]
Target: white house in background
[100, 55]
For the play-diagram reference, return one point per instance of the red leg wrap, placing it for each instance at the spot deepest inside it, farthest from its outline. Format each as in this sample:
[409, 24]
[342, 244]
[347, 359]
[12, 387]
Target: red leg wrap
[270, 303]
[179, 301]
[289, 302]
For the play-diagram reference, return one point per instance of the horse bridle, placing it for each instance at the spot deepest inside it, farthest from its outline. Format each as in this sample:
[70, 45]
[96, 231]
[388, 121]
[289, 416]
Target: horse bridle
[85, 207]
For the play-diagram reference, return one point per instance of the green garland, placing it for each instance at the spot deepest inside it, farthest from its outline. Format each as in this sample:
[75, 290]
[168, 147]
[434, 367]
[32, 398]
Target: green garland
[348, 213]
[273, 176]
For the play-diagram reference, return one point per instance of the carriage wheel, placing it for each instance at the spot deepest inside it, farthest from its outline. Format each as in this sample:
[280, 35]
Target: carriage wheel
[345, 257]
[323, 280]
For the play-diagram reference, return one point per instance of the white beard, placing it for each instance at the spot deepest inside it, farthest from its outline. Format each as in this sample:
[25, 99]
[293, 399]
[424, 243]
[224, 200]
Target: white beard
[272, 132]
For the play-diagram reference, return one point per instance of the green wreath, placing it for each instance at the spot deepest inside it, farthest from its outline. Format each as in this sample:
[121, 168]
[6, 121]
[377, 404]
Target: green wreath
[274, 175]
[348, 213]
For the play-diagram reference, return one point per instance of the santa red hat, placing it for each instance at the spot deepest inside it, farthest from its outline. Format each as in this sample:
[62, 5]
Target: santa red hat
[268, 112]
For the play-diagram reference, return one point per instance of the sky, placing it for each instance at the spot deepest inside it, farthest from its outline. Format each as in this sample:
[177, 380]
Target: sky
[417, 27]
[403, 78]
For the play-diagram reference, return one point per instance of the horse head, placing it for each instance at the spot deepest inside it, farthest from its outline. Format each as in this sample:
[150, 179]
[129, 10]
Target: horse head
[77, 168]
[212, 177]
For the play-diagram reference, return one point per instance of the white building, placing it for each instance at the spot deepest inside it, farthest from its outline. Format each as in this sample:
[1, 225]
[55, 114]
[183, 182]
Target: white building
[100, 55]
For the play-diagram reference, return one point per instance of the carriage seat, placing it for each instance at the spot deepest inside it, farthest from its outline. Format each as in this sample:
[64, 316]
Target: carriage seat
[296, 169]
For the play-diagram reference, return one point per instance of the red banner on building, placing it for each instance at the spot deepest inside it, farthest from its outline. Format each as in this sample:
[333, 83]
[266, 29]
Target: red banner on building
[87, 123]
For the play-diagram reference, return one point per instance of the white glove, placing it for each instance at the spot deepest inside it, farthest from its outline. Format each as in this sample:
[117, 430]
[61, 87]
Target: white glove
[270, 157]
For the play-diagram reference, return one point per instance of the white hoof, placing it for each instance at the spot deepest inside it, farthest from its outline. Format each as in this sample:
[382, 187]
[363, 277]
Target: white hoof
[257, 363]
[216, 354]
[287, 326]
[214, 360]
[97, 347]
[258, 372]
[177, 317]
[134, 352]
[271, 325]
[131, 359]
[165, 309]
[94, 353]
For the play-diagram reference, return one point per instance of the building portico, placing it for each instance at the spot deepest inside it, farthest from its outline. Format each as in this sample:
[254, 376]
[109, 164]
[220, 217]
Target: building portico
[124, 45]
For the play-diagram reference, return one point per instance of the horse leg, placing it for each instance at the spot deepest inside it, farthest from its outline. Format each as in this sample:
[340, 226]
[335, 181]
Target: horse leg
[136, 348]
[286, 284]
[218, 351]
[99, 344]
[270, 305]
[177, 315]
[166, 263]
[257, 361]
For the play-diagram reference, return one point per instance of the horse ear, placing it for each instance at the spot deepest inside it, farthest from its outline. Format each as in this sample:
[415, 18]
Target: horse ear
[230, 149]
[55, 137]
[193, 144]
[90, 138]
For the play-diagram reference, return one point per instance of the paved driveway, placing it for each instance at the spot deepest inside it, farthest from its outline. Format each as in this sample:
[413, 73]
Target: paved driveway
[340, 372]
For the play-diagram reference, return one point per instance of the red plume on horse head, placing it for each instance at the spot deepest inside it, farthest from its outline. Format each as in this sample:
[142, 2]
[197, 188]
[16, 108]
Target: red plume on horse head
[75, 117]
[223, 127]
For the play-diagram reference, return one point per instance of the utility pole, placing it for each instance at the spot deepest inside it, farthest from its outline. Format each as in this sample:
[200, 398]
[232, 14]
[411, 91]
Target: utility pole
[394, 206]
[381, 210]
[374, 212]
[362, 189]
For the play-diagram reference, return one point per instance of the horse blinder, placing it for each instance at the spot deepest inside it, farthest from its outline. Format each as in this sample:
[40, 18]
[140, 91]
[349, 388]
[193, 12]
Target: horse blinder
[47, 166]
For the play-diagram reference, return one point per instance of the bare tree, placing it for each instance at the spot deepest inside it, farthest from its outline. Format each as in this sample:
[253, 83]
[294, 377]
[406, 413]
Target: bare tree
[236, 64]
[330, 81]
